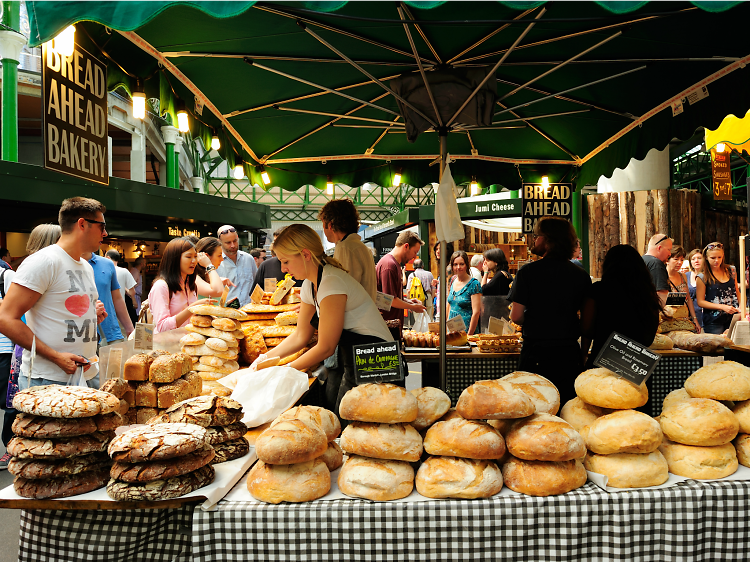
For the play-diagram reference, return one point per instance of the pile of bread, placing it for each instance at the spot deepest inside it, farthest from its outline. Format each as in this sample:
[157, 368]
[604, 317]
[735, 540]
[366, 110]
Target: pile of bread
[672, 318]
[296, 456]
[491, 343]
[431, 339]
[152, 383]
[61, 438]
[701, 343]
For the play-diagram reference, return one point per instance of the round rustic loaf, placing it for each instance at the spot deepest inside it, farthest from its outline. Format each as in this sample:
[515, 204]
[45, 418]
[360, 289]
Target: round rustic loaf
[216, 435]
[376, 479]
[450, 414]
[202, 410]
[333, 457]
[448, 477]
[302, 482]
[325, 419]
[43, 427]
[31, 448]
[725, 380]
[742, 411]
[291, 441]
[544, 437]
[471, 439]
[625, 431]
[675, 397]
[230, 450]
[630, 470]
[62, 487]
[156, 442]
[200, 321]
[741, 444]
[398, 442]
[703, 463]
[603, 388]
[57, 401]
[699, 421]
[379, 403]
[159, 470]
[579, 414]
[542, 392]
[494, 399]
[503, 426]
[542, 478]
[432, 404]
[38, 469]
[162, 489]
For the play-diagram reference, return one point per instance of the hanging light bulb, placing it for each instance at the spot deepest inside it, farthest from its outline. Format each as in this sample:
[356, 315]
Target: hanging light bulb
[182, 118]
[720, 147]
[65, 42]
[397, 178]
[239, 171]
[264, 176]
[139, 103]
[474, 187]
[215, 143]
[329, 186]
[545, 182]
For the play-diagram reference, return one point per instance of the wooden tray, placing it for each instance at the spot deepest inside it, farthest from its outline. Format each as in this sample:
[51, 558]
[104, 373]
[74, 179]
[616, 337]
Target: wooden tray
[449, 349]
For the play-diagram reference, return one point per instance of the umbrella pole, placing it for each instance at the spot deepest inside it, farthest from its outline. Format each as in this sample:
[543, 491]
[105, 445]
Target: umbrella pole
[443, 131]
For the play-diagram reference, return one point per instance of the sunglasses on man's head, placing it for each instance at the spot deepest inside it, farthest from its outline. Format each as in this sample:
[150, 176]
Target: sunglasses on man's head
[227, 231]
[662, 240]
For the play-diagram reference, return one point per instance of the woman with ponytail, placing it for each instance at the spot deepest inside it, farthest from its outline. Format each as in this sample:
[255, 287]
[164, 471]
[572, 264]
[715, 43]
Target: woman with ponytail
[333, 302]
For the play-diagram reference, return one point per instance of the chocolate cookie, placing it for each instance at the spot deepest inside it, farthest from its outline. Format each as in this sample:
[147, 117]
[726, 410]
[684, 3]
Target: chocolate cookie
[230, 450]
[203, 411]
[161, 489]
[35, 469]
[216, 435]
[30, 448]
[58, 401]
[160, 470]
[63, 487]
[45, 427]
[156, 442]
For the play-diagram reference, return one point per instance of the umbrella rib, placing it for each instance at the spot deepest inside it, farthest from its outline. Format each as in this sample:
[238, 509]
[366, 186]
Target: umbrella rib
[314, 85]
[571, 89]
[543, 134]
[372, 147]
[335, 30]
[192, 54]
[421, 32]
[497, 65]
[541, 116]
[339, 115]
[363, 71]
[559, 66]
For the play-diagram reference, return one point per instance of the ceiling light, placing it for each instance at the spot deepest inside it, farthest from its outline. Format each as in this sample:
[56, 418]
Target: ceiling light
[65, 43]
[239, 171]
[329, 186]
[545, 182]
[215, 143]
[720, 147]
[182, 118]
[474, 187]
[139, 105]
[397, 179]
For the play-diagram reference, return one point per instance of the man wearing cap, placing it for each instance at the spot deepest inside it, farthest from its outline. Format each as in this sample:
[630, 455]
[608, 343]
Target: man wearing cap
[659, 250]
[237, 266]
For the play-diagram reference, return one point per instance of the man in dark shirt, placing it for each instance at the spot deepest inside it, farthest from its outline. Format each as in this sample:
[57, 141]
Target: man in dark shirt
[270, 269]
[659, 250]
[547, 295]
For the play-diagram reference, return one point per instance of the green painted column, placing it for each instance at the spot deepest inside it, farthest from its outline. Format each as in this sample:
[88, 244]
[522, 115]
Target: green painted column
[177, 149]
[577, 217]
[11, 43]
[170, 139]
[515, 194]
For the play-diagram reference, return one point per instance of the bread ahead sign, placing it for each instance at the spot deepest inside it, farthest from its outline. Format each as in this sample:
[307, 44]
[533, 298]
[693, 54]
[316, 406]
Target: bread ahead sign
[545, 200]
[75, 114]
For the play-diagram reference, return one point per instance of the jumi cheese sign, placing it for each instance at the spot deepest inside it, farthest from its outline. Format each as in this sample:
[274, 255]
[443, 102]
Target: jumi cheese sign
[75, 114]
[545, 200]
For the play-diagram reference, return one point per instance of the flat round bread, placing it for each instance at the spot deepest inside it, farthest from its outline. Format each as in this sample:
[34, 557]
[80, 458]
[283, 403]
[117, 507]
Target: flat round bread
[36, 469]
[202, 410]
[159, 470]
[211, 376]
[30, 448]
[216, 344]
[44, 427]
[225, 324]
[196, 351]
[218, 311]
[211, 361]
[58, 401]
[226, 369]
[230, 450]
[63, 487]
[154, 442]
[213, 333]
[192, 339]
[201, 321]
[161, 489]
[216, 435]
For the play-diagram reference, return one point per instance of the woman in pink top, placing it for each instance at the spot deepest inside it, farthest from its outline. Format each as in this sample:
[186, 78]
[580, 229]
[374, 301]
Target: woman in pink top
[178, 286]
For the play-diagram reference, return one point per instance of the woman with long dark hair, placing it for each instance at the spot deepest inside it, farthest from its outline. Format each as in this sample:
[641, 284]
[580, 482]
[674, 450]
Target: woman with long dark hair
[695, 264]
[678, 281]
[624, 301]
[716, 289]
[499, 285]
[177, 285]
[212, 248]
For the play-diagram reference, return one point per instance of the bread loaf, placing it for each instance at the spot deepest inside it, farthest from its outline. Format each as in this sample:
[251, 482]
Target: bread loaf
[725, 380]
[741, 410]
[253, 344]
[741, 444]
[603, 388]
[222, 434]
[216, 344]
[230, 450]
[494, 399]
[118, 387]
[136, 368]
[161, 489]
[333, 457]
[701, 343]
[57, 401]
[214, 333]
[672, 325]
[540, 478]
[544, 437]
[145, 395]
[287, 318]
[185, 361]
[37, 469]
[446, 477]
[201, 350]
[204, 411]
[456, 338]
[376, 479]
[42, 427]
[542, 392]
[625, 431]
[225, 324]
[450, 414]
[325, 419]
[289, 442]
[700, 462]
[579, 414]
[661, 342]
[253, 310]
[218, 311]
[629, 470]
[200, 321]
[472, 439]
[432, 404]
[157, 442]
[165, 369]
[168, 395]
[145, 415]
[503, 426]
[379, 403]
[277, 331]
[30, 448]
[159, 470]
[675, 397]
[62, 487]
[192, 339]
[699, 421]
[281, 290]
[301, 482]
[398, 442]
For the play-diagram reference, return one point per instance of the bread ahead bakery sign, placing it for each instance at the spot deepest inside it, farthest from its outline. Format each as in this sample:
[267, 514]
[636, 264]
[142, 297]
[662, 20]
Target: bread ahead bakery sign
[75, 114]
[545, 200]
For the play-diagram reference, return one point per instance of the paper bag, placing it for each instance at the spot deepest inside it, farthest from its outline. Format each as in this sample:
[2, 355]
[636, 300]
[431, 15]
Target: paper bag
[267, 393]
[448, 225]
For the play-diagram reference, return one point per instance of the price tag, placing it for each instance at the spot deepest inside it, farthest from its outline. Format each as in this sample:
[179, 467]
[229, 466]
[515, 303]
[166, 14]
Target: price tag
[269, 284]
[114, 363]
[434, 327]
[676, 299]
[383, 301]
[257, 295]
[455, 324]
[495, 326]
[144, 336]
[629, 359]
[377, 362]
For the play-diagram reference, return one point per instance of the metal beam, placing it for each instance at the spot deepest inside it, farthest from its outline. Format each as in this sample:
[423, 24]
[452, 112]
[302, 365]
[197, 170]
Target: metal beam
[192, 54]
[530, 118]
[372, 147]
[421, 33]
[339, 115]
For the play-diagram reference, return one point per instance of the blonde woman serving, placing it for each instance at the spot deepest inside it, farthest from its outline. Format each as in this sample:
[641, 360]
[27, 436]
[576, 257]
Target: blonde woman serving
[333, 302]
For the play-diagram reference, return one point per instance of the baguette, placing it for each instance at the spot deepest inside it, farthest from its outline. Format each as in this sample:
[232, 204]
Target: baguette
[214, 333]
[218, 311]
[253, 308]
[277, 331]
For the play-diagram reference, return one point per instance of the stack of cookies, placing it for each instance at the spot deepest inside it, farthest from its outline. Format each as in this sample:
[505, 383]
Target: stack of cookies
[159, 462]
[380, 442]
[296, 455]
[153, 382]
[214, 340]
[62, 433]
[219, 416]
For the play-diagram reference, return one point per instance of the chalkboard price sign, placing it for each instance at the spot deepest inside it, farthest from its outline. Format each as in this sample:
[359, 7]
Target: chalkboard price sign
[377, 362]
[627, 358]
[676, 299]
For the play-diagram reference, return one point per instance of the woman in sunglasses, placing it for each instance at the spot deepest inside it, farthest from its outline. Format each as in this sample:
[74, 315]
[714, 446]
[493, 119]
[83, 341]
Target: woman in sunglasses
[716, 290]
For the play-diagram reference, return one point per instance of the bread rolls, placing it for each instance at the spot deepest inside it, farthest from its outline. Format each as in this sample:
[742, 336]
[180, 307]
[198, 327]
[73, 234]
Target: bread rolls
[625, 431]
[542, 392]
[540, 478]
[301, 482]
[741, 444]
[379, 403]
[741, 410]
[579, 414]
[629, 470]
[494, 399]
[289, 442]
[432, 404]
[675, 397]
[376, 479]
[544, 437]
[700, 462]
[699, 421]
[447, 477]
[399, 442]
[725, 380]
[603, 388]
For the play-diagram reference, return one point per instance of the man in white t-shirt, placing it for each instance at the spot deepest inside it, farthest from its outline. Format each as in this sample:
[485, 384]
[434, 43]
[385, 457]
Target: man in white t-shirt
[127, 285]
[55, 289]
[476, 267]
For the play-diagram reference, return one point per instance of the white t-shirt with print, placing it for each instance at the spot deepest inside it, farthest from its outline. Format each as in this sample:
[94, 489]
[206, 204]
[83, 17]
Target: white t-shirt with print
[64, 317]
[361, 316]
[124, 279]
